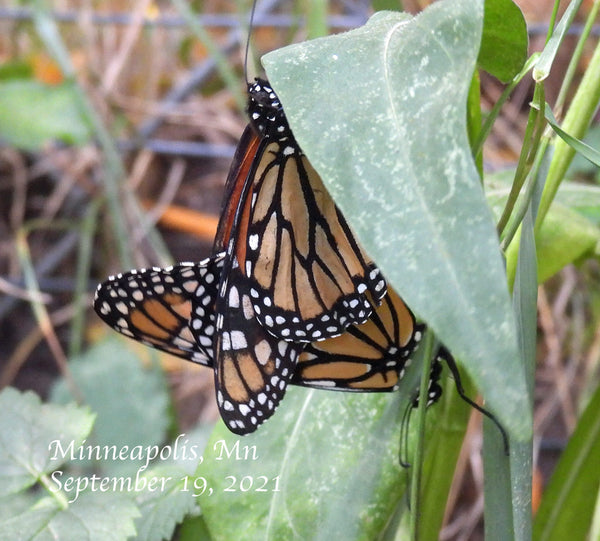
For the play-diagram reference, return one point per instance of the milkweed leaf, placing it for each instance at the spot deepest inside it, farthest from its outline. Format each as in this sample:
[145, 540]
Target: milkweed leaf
[32, 115]
[504, 41]
[320, 443]
[393, 151]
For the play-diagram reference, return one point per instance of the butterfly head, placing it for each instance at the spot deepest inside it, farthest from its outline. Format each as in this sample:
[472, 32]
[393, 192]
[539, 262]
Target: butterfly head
[266, 112]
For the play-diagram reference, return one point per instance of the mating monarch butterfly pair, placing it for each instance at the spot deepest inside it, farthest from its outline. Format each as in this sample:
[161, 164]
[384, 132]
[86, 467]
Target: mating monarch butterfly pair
[289, 296]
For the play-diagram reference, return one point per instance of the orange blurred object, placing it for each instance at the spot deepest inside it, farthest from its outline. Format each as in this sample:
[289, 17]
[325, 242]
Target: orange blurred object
[537, 487]
[190, 221]
[46, 70]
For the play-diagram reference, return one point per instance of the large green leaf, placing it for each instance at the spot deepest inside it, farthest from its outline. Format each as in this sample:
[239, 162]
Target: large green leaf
[165, 505]
[31, 433]
[130, 401]
[93, 516]
[31, 436]
[565, 237]
[326, 464]
[381, 113]
[569, 233]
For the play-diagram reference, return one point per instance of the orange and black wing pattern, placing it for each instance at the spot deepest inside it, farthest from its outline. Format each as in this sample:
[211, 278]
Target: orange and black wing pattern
[252, 367]
[154, 307]
[309, 279]
[367, 357]
[258, 341]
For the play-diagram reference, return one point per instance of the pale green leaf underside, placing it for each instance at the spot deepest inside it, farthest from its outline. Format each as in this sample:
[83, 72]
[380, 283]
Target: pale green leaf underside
[380, 112]
[161, 510]
[322, 446]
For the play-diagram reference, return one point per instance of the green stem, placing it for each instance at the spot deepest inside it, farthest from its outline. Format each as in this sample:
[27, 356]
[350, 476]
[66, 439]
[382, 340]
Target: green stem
[535, 153]
[576, 122]
[531, 140]
[84, 260]
[574, 61]
[48, 33]
[40, 311]
[553, 18]
[118, 195]
[419, 456]
[495, 110]
[316, 18]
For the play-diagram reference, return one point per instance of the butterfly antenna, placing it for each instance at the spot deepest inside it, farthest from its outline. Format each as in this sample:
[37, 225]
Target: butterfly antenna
[445, 355]
[248, 34]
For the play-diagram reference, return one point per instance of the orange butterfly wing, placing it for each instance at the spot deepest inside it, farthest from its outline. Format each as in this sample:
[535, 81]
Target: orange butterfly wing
[154, 307]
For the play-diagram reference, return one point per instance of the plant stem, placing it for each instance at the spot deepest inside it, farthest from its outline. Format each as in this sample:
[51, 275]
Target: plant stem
[417, 470]
[495, 110]
[533, 133]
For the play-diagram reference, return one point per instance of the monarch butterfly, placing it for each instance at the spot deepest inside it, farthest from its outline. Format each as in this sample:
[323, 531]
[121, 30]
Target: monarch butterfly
[174, 310]
[272, 306]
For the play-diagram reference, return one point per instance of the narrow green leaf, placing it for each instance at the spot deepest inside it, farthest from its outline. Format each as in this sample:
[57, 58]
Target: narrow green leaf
[443, 445]
[392, 150]
[33, 115]
[504, 41]
[568, 504]
[581, 166]
[544, 64]
[508, 479]
[130, 401]
[419, 417]
[31, 432]
[582, 148]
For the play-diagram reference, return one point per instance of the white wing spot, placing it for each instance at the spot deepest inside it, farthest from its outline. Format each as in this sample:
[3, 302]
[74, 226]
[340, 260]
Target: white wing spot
[238, 340]
[253, 241]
